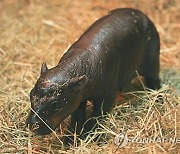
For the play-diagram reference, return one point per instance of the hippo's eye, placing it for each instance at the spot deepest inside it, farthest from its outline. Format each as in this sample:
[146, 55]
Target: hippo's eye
[45, 113]
[49, 94]
[54, 105]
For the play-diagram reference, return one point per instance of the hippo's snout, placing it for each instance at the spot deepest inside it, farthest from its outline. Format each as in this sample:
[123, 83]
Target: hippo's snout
[35, 124]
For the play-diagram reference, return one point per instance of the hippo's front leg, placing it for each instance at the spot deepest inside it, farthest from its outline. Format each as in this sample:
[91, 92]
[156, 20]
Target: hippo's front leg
[101, 106]
[78, 118]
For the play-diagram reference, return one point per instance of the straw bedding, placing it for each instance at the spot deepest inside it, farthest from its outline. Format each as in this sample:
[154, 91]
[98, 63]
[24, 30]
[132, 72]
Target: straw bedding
[34, 31]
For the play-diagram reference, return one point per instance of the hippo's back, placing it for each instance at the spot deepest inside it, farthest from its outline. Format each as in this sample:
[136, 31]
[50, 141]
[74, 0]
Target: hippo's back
[113, 47]
[114, 30]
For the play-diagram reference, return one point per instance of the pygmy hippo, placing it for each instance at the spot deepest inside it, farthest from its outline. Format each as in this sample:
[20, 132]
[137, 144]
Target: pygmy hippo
[102, 61]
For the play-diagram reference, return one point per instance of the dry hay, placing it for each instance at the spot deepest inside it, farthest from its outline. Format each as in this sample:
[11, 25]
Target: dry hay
[33, 31]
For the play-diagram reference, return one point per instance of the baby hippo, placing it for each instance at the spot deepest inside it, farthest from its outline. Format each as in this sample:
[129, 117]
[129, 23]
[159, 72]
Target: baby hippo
[102, 61]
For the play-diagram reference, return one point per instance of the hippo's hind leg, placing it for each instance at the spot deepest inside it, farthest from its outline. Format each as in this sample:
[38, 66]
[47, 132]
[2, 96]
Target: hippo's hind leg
[150, 66]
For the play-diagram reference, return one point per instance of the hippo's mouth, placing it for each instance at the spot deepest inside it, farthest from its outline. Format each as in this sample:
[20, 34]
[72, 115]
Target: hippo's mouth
[44, 126]
[41, 129]
[38, 126]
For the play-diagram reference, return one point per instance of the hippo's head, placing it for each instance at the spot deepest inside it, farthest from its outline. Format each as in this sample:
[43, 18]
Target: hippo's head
[54, 97]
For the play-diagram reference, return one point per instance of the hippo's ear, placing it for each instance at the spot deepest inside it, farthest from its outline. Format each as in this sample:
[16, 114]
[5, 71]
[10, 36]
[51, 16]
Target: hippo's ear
[44, 68]
[77, 83]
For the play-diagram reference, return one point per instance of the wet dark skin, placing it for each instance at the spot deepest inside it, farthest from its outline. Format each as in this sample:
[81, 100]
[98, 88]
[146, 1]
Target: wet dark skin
[102, 61]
